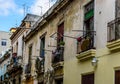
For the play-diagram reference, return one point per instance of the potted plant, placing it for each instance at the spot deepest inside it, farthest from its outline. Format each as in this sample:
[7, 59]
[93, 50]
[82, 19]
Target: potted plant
[61, 43]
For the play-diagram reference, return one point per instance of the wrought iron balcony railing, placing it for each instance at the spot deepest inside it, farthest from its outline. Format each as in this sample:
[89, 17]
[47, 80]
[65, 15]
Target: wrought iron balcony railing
[39, 65]
[14, 65]
[6, 76]
[2, 78]
[28, 71]
[28, 68]
[114, 30]
[58, 55]
[86, 42]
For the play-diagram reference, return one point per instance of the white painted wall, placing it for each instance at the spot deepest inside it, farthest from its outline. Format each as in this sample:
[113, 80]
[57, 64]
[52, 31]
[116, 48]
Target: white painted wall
[19, 46]
[104, 13]
[4, 35]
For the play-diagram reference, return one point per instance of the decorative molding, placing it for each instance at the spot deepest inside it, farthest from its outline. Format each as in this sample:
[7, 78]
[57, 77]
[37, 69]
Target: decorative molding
[57, 65]
[86, 55]
[114, 45]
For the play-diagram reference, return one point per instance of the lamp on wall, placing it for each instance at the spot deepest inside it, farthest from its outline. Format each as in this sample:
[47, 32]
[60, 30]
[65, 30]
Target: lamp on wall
[94, 61]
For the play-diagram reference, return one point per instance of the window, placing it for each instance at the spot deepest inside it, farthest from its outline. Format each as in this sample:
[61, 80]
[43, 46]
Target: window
[4, 42]
[42, 47]
[19, 79]
[28, 66]
[88, 79]
[60, 33]
[0, 55]
[86, 42]
[41, 83]
[117, 77]
[59, 52]
[30, 53]
[89, 18]
[117, 9]
[42, 52]
[14, 81]
[59, 81]
[22, 45]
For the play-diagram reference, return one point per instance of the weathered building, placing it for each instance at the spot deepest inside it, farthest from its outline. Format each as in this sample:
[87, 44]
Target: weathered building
[4, 53]
[74, 42]
[4, 42]
[81, 26]
[16, 67]
[4, 61]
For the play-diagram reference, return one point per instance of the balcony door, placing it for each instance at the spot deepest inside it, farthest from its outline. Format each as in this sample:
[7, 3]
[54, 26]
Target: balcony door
[59, 81]
[42, 47]
[117, 77]
[89, 19]
[60, 33]
[88, 79]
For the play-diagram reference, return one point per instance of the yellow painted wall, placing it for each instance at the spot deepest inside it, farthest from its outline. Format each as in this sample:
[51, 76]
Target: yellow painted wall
[73, 69]
[104, 72]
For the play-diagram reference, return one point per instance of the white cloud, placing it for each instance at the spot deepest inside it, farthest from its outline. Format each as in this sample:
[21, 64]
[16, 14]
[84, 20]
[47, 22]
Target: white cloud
[36, 7]
[21, 11]
[9, 6]
[6, 6]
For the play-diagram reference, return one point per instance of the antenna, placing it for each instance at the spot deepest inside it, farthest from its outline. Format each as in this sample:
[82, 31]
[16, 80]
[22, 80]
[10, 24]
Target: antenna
[24, 8]
[27, 9]
[16, 23]
[41, 9]
[49, 3]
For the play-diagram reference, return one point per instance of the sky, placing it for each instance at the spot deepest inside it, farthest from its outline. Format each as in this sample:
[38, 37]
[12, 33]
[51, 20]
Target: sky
[13, 11]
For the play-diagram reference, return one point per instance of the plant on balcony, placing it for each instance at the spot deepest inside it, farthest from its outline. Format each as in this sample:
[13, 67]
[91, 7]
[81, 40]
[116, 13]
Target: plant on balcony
[39, 65]
[57, 55]
[61, 43]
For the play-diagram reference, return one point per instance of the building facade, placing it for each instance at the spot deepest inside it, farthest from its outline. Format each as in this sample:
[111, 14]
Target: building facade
[4, 62]
[16, 68]
[4, 54]
[4, 42]
[74, 42]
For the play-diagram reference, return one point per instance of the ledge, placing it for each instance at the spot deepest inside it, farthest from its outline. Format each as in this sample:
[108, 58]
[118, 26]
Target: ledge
[86, 55]
[114, 45]
[57, 65]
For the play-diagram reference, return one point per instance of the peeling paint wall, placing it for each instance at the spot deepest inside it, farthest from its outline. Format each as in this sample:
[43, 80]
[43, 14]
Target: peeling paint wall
[73, 18]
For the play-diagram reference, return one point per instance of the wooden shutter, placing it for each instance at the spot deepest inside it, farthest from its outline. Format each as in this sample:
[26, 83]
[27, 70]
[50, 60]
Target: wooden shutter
[117, 77]
[88, 79]
[60, 32]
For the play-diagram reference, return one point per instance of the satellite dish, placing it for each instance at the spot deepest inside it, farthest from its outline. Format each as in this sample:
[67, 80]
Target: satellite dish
[85, 44]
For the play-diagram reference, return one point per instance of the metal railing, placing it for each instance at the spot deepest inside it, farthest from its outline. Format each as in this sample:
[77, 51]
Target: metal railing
[114, 30]
[28, 68]
[86, 42]
[58, 55]
[39, 65]
[14, 64]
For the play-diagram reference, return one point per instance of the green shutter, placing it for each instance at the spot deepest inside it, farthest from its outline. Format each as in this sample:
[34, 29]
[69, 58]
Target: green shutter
[89, 14]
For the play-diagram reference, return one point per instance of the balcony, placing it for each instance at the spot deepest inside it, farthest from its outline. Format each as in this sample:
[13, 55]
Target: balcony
[14, 65]
[85, 46]
[114, 35]
[57, 57]
[28, 71]
[39, 65]
[6, 76]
